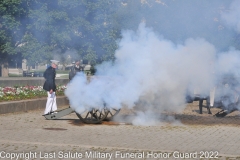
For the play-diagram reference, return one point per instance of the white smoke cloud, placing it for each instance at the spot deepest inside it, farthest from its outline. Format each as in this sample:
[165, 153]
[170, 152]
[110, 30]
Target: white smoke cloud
[232, 16]
[145, 119]
[228, 62]
[152, 73]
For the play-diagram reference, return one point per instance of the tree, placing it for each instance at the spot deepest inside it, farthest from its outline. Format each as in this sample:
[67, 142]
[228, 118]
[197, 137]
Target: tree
[11, 13]
[84, 26]
[89, 29]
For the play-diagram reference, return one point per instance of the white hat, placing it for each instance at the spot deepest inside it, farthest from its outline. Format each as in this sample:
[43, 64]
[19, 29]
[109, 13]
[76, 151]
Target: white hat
[54, 62]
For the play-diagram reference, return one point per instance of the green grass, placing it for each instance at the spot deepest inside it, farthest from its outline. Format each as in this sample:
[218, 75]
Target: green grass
[64, 76]
[62, 72]
[41, 71]
[15, 75]
[57, 71]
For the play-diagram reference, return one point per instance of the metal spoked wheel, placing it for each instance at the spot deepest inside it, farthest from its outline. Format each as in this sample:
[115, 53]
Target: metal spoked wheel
[111, 112]
[94, 116]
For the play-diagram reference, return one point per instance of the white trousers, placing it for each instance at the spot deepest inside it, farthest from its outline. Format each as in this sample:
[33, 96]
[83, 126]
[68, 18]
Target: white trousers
[212, 97]
[51, 104]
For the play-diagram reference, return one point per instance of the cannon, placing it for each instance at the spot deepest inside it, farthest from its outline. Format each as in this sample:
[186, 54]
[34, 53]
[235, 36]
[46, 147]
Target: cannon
[91, 116]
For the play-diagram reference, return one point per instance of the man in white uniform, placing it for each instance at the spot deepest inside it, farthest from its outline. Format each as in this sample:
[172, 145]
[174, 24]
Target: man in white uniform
[50, 87]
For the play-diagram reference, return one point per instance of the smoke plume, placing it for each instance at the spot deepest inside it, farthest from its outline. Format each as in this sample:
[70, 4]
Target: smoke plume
[232, 16]
[152, 73]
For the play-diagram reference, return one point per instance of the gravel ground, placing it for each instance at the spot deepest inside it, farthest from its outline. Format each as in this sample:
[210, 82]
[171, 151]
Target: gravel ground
[186, 135]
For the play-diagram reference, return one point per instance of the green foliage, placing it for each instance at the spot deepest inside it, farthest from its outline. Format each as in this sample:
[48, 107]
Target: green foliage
[10, 24]
[33, 50]
[38, 29]
[69, 25]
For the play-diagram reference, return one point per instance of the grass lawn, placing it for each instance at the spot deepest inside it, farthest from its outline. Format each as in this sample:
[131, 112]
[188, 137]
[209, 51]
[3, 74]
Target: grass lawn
[41, 71]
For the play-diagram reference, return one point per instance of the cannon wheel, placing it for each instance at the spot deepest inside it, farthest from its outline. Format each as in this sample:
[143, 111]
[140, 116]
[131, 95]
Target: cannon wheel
[111, 112]
[93, 116]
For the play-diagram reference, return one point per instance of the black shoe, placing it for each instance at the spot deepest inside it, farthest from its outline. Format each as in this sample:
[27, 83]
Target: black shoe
[53, 112]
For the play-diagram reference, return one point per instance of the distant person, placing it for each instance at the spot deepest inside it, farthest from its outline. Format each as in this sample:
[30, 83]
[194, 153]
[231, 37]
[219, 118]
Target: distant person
[74, 69]
[50, 87]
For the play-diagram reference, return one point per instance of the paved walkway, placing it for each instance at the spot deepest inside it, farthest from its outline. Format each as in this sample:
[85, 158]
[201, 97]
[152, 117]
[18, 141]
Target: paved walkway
[191, 135]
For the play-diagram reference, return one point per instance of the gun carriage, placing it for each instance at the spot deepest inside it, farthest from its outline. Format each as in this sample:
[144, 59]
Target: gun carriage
[92, 116]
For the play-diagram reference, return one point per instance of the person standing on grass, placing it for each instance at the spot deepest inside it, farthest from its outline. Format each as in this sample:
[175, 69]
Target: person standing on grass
[74, 69]
[50, 87]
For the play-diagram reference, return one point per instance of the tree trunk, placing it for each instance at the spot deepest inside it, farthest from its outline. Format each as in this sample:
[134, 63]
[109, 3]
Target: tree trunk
[63, 67]
[4, 70]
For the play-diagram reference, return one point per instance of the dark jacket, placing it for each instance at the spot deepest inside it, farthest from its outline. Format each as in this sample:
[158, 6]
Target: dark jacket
[49, 76]
[74, 70]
